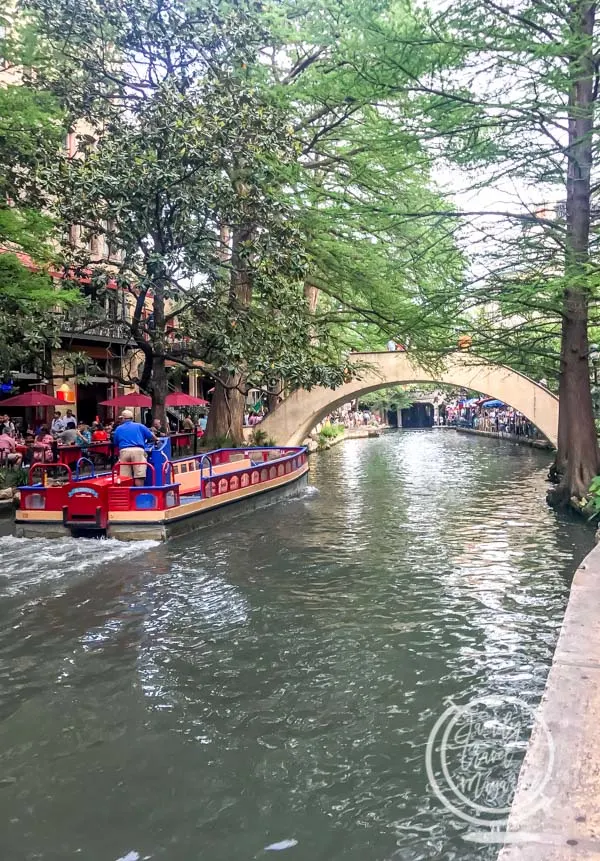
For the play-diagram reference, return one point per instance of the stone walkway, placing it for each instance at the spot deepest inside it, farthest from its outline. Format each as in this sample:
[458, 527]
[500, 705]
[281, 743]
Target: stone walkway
[567, 825]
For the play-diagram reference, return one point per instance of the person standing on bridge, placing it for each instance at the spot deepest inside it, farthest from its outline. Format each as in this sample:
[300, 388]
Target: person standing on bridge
[391, 345]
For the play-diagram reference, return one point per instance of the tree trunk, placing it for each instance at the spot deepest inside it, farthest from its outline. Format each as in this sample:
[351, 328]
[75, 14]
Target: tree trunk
[576, 396]
[159, 370]
[159, 391]
[582, 452]
[226, 417]
[559, 466]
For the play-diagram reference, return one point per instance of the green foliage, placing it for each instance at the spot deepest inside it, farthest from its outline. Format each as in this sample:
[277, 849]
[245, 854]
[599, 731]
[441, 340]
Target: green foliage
[389, 398]
[28, 325]
[14, 477]
[593, 498]
[328, 433]
[258, 437]
[331, 431]
[31, 133]
[510, 141]
[379, 272]
[186, 184]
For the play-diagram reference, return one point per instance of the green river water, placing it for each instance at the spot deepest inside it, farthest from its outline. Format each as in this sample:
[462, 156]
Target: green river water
[268, 687]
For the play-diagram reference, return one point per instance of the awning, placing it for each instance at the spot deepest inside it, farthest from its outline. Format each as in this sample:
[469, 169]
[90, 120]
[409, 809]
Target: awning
[31, 399]
[493, 404]
[134, 399]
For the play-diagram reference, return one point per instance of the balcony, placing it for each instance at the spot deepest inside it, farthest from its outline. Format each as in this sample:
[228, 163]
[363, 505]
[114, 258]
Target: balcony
[112, 325]
[87, 329]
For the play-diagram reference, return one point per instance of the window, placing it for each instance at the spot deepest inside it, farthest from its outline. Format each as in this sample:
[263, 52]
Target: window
[112, 306]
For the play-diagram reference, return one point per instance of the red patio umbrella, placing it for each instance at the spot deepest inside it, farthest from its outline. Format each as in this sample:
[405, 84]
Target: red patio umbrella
[132, 400]
[180, 399]
[31, 399]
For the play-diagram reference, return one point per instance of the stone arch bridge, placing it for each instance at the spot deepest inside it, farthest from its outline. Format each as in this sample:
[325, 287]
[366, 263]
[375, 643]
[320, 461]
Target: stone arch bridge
[297, 415]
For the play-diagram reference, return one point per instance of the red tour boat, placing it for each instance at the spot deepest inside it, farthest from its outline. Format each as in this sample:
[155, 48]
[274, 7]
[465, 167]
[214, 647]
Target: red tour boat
[177, 496]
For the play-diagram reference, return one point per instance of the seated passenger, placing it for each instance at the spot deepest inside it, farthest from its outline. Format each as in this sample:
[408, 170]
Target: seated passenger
[99, 434]
[67, 437]
[42, 447]
[8, 450]
[84, 434]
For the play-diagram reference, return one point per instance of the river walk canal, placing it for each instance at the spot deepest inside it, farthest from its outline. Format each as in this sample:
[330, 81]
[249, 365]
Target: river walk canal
[271, 684]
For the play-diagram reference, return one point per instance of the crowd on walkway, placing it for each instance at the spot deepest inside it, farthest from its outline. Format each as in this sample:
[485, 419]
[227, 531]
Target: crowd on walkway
[487, 414]
[355, 418]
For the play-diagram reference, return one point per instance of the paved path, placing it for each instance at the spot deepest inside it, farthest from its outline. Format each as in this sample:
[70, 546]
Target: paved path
[568, 825]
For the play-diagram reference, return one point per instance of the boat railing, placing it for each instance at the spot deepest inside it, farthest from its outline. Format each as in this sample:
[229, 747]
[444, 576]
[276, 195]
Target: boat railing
[78, 467]
[202, 459]
[45, 468]
[218, 484]
[167, 468]
[223, 455]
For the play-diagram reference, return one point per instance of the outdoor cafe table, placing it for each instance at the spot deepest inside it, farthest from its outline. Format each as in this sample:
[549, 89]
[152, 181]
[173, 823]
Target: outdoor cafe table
[185, 440]
[70, 454]
[180, 441]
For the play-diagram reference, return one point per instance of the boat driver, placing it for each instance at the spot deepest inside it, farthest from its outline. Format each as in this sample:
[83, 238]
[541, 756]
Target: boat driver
[131, 437]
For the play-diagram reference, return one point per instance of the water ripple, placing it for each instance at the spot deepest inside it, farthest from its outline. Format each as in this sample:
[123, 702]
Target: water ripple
[271, 685]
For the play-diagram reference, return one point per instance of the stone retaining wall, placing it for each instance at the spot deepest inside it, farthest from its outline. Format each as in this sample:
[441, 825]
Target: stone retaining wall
[511, 437]
[350, 433]
[567, 825]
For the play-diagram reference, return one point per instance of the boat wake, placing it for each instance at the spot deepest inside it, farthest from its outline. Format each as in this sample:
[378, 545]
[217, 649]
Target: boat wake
[309, 490]
[27, 562]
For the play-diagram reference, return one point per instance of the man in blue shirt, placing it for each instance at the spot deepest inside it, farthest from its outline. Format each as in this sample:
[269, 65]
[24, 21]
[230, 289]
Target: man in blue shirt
[131, 437]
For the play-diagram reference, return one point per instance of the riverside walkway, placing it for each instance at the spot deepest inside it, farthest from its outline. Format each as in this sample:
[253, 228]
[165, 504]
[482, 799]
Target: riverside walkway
[567, 825]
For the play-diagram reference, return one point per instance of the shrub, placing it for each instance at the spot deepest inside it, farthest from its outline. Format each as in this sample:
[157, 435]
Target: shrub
[13, 477]
[593, 498]
[259, 437]
[328, 433]
[331, 431]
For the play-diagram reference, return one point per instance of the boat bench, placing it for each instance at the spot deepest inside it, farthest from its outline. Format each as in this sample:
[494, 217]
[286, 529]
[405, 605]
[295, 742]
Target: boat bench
[244, 463]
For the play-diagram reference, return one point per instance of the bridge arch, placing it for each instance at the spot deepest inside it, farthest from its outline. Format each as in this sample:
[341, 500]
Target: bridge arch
[298, 414]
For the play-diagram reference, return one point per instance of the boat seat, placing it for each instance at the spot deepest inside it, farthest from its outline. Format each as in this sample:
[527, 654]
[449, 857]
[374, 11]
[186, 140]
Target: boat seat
[245, 463]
